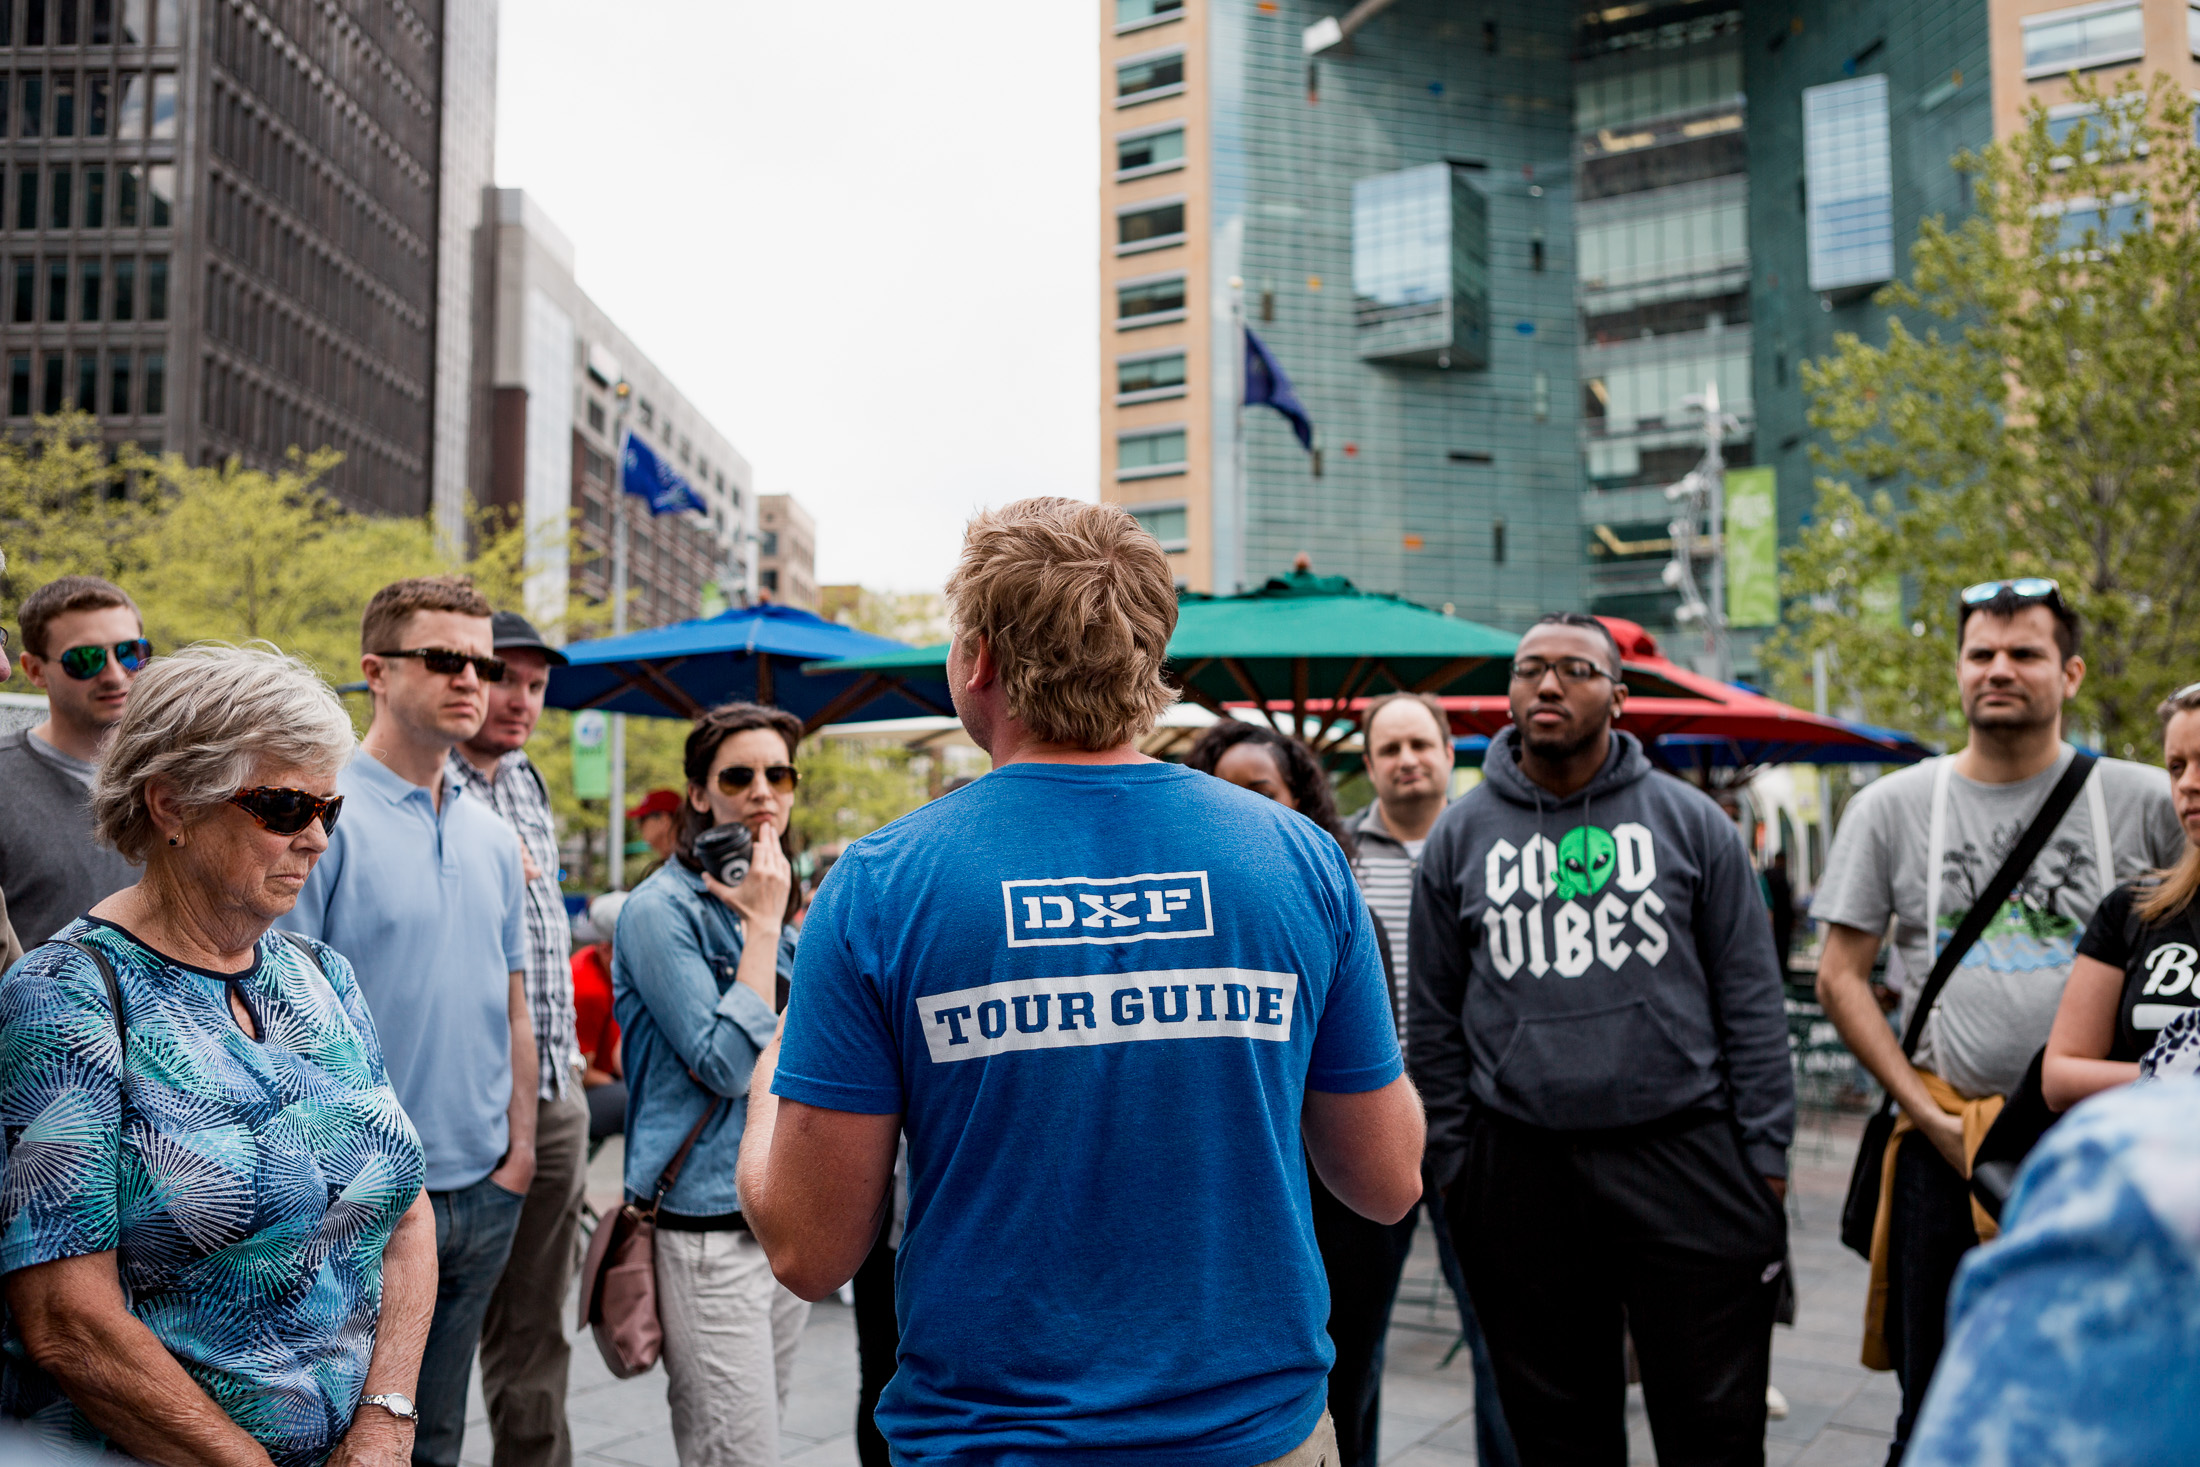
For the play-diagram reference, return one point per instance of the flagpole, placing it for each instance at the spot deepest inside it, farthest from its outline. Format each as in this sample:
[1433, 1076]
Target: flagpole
[1239, 496]
[616, 821]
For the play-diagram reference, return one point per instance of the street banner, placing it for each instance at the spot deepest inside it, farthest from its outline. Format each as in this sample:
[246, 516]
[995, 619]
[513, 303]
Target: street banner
[591, 755]
[1752, 548]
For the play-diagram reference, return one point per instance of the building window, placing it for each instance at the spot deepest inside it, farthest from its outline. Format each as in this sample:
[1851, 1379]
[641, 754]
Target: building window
[34, 105]
[34, 23]
[156, 288]
[645, 412]
[130, 115]
[768, 543]
[63, 179]
[1149, 453]
[1156, 150]
[95, 198]
[156, 383]
[103, 22]
[125, 290]
[1168, 523]
[55, 380]
[164, 105]
[118, 384]
[768, 580]
[98, 99]
[595, 415]
[1143, 78]
[2092, 224]
[19, 387]
[57, 291]
[129, 182]
[64, 98]
[1625, 244]
[87, 381]
[1849, 184]
[1131, 14]
[1420, 267]
[26, 288]
[1149, 226]
[26, 198]
[2083, 36]
[160, 193]
[88, 301]
[1149, 301]
[66, 29]
[1150, 376]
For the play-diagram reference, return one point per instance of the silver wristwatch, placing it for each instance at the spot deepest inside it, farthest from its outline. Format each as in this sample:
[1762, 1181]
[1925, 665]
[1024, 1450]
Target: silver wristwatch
[397, 1403]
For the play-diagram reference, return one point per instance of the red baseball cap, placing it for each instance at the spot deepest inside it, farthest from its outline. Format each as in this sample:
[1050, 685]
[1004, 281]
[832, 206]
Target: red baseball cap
[656, 802]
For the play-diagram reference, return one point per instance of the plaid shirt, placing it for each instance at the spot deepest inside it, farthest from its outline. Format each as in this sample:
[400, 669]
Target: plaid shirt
[518, 795]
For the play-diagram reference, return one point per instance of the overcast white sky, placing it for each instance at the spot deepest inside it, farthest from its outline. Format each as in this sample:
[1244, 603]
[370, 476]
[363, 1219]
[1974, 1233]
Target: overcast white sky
[858, 236]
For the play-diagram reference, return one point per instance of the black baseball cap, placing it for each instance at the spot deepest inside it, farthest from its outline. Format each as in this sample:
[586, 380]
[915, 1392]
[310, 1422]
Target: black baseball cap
[510, 631]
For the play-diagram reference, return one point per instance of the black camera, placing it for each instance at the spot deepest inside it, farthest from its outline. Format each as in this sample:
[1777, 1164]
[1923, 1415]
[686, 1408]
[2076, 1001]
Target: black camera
[725, 851]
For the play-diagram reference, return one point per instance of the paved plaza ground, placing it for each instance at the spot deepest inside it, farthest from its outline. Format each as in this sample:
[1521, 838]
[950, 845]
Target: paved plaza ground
[1839, 1413]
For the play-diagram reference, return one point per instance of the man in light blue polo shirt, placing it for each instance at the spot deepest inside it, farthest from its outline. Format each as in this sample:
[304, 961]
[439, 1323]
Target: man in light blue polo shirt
[423, 889]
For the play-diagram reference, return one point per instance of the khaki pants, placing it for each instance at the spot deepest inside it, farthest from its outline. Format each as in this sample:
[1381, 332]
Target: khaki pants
[730, 1336]
[525, 1357]
[1318, 1450]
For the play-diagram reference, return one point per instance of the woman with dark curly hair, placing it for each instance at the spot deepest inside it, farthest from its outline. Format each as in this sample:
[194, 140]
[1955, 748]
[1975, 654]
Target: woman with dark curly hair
[1362, 1258]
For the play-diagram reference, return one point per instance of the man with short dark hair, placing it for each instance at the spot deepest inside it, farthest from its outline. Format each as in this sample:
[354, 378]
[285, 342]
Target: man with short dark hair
[423, 888]
[1916, 847]
[1598, 1026]
[1089, 985]
[525, 1357]
[83, 643]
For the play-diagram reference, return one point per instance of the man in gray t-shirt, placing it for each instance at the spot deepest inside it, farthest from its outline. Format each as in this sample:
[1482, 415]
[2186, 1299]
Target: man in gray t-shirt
[1917, 847]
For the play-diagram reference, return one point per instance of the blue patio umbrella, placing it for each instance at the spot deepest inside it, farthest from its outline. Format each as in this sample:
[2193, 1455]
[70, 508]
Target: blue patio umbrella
[752, 653]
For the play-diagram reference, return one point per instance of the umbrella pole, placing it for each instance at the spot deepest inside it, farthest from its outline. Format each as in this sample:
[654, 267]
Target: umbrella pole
[615, 817]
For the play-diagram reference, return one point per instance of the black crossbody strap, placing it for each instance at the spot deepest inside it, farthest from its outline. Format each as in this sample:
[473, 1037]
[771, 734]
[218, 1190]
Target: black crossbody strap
[107, 976]
[1996, 892]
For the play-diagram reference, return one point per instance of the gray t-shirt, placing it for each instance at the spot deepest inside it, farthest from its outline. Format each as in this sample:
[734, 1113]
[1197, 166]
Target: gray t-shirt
[1995, 1012]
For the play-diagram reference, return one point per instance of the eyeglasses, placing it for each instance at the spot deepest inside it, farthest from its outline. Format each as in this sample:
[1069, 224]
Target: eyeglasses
[1571, 671]
[443, 662]
[286, 812]
[86, 663]
[735, 778]
[2023, 589]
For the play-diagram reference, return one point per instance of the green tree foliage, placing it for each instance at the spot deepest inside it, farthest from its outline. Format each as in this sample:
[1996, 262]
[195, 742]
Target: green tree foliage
[2030, 414]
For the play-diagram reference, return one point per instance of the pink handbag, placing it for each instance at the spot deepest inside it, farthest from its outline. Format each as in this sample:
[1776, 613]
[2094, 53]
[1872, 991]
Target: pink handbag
[619, 1276]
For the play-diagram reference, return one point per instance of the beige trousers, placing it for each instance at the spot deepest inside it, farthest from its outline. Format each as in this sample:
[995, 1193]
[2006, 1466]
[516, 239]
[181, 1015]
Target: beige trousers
[1318, 1450]
[730, 1336]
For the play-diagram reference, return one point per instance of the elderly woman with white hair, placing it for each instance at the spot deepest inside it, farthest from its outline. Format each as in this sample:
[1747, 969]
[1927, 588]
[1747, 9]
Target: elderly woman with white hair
[215, 1244]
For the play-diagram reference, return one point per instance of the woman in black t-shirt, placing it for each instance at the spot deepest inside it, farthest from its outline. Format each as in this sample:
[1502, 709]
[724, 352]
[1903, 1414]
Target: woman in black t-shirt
[2138, 965]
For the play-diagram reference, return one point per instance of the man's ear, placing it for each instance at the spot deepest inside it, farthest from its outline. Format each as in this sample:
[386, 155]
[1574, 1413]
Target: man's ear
[2074, 672]
[984, 671]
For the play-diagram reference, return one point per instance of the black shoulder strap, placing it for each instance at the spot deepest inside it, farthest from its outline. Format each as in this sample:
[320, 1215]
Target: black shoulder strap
[313, 954]
[106, 975]
[1996, 892]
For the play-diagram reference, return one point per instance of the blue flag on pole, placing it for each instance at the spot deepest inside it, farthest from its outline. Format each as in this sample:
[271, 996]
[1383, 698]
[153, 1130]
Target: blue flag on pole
[642, 473]
[1265, 383]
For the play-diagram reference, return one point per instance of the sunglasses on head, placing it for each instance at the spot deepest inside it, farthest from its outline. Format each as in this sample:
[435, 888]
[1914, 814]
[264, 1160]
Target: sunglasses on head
[735, 778]
[2026, 589]
[86, 663]
[443, 662]
[285, 811]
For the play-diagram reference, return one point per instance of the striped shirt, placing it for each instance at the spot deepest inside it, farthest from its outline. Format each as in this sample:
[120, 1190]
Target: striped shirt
[520, 797]
[1386, 866]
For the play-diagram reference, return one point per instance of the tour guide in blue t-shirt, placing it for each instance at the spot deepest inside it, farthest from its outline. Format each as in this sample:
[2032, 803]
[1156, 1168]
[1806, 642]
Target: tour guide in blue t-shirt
[1105, 997]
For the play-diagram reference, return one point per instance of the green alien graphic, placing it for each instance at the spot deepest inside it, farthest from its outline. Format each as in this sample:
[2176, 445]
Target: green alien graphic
[1586, 856]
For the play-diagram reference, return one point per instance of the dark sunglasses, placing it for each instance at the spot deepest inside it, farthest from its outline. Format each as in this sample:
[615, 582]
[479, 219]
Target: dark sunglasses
[2026, 589]
[443, 662]
[286, 812]
[781, 777]
[1570, 670]
[86, 663]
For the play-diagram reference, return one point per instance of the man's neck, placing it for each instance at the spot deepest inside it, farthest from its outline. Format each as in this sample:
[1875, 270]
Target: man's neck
[67, 738]
[1410, 819]
[1567, 777]
[1012, 743]
[486, 762]
[406, 755]
[2006, 755]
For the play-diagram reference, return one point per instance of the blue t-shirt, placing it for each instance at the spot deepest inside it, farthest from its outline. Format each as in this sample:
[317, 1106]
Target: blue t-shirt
[1096, 995]
[430, 906]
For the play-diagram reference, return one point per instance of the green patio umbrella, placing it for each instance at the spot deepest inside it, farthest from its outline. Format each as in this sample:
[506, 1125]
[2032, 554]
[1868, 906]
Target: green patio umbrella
[1311, 643]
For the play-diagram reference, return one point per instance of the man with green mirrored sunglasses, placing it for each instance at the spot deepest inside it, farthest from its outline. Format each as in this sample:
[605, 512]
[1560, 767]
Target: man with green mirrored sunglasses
[82, 644]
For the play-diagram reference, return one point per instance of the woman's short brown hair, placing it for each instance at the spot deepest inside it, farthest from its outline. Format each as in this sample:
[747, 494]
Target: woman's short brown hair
[1077, 603]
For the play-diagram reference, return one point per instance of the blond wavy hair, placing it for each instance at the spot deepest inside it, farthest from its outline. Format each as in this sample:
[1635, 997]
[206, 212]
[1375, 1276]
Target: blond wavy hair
[1077, 603]
[2170, 892]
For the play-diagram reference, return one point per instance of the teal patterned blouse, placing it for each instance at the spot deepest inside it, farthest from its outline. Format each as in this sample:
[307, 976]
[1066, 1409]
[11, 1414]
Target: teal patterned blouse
[247, 1186]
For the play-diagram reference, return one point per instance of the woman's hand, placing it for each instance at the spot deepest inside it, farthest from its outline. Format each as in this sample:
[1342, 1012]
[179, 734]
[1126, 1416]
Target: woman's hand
[760, 901]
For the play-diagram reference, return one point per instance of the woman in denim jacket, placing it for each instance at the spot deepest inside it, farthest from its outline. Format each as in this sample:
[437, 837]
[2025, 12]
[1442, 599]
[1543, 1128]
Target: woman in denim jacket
[696, 980]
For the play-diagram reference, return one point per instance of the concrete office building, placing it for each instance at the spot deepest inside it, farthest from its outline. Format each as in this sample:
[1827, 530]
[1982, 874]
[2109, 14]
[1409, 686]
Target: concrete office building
[243, 225]
[1396, 224]
[786, 552]
[557, 371]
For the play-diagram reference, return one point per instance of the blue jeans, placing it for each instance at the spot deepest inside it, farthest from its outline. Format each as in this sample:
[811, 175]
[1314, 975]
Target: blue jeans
[473, 1235]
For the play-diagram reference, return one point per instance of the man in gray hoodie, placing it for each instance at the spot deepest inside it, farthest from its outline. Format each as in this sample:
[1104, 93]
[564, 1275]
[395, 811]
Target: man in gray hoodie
[1597, 1028]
